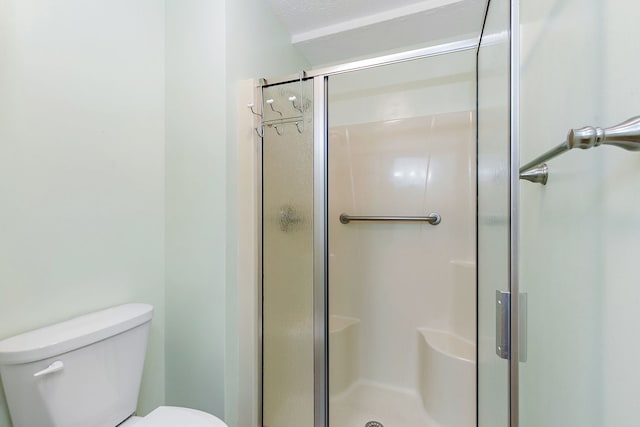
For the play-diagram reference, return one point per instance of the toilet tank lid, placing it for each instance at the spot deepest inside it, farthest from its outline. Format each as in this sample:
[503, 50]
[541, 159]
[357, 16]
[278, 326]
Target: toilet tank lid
[72, 334]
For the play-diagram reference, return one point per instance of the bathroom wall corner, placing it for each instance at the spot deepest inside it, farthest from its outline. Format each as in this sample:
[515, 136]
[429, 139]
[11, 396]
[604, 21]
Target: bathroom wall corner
[195, 184]
[257, 45]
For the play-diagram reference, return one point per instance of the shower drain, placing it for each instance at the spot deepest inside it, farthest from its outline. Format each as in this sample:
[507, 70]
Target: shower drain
[374, 424]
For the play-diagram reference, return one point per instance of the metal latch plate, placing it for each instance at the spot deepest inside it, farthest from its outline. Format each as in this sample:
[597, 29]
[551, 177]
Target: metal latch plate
[503, 326]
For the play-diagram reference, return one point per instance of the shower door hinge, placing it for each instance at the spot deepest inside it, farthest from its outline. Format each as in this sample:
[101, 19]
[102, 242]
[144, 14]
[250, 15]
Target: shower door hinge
[503, 324]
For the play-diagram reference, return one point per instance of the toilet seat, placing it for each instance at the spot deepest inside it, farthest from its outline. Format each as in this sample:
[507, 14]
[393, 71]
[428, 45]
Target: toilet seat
[172, 416]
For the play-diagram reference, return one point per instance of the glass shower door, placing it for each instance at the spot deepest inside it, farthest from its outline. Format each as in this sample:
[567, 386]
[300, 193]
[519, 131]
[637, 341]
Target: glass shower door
[493, 136]
[402, 294]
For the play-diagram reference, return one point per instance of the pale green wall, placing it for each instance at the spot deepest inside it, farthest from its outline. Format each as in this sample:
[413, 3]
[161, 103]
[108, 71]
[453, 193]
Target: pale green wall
[561, 387]
[87, 115]
[82, 165]
[580, 274]
[195, 211]
[621, 225]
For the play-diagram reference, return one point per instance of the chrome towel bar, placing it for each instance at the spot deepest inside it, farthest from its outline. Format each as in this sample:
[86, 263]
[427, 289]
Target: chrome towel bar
[433, 218]
[625, 135]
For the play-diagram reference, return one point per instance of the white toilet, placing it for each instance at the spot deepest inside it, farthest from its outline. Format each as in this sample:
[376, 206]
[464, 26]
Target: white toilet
[86, 372]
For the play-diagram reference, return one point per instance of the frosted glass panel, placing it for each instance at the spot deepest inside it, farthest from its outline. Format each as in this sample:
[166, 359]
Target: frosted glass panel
[288, 261]
[401, 294]
[493, 210]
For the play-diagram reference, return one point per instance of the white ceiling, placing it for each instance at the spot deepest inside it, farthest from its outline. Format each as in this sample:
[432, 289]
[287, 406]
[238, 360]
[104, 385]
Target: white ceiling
[328, 31]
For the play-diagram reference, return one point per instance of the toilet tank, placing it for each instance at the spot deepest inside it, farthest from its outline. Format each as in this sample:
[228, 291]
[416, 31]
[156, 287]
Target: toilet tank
[84, 372]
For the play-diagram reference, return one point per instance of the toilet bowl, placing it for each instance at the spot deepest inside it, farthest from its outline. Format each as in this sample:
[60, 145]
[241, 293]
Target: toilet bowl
[171, 416]
[86, 372]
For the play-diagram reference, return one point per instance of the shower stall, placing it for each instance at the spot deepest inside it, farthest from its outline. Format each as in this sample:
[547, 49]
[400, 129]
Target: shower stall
[412, 273]
[369, 243]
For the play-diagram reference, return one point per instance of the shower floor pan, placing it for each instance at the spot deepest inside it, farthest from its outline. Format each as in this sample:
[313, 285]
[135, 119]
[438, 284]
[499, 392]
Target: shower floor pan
[392, 407]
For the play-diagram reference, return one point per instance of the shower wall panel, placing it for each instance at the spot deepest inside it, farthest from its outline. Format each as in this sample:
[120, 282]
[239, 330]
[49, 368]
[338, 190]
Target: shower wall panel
[442, 84]
[398, 277]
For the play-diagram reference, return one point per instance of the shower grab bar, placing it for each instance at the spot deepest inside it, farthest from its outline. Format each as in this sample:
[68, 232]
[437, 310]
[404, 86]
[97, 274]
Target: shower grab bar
[625, 135]
[433, 218]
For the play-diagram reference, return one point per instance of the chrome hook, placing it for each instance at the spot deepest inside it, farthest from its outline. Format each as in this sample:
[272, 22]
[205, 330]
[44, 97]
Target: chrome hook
[251, 105]
[270, 103]
[300, 127]
[261, 135]
[293, 99]
[277, 130]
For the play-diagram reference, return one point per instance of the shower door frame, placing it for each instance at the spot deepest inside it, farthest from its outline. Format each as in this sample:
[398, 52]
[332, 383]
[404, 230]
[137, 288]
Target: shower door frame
[514, 207]
[320, 209]
[320, 251]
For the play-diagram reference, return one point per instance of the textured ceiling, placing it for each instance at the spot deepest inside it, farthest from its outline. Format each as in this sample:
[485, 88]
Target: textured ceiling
[328, 31]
